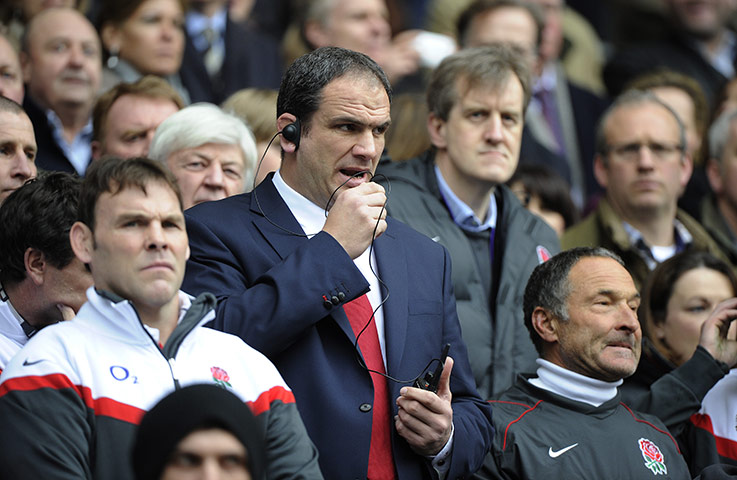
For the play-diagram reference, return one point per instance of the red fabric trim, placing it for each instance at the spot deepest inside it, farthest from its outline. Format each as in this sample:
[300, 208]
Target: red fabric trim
[103, 406]
[725, 447]
[264, 401]
[651, 425]
[506, 430]
[509, 403]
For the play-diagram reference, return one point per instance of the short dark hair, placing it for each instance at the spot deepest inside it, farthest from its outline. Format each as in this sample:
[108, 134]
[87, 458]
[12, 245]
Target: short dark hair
[552, 190]
[114, 174]
[491, 66]
[479, 7]
[148, 86]
[38, 215]
[549, 286]
[303, 83]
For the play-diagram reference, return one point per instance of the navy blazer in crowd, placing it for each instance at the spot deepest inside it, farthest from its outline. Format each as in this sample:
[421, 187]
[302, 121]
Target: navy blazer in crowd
[272, 287]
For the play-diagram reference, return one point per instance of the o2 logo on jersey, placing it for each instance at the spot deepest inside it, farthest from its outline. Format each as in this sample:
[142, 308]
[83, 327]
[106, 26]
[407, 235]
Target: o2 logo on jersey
[122, 374]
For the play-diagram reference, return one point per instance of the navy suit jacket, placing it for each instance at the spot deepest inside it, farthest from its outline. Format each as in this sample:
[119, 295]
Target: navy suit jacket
[272, 286]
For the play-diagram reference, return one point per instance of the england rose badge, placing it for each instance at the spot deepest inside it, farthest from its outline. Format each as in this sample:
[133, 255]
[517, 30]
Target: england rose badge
[654, 459]
[220, 376]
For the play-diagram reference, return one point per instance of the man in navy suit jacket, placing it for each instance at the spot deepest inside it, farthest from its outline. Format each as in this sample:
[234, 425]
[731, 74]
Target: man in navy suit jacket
[283, 272]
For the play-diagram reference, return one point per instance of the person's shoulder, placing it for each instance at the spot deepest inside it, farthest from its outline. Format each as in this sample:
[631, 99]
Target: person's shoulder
[411, 173]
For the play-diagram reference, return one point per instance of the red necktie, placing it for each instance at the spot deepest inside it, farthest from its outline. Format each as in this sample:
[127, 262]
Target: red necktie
[381, 462]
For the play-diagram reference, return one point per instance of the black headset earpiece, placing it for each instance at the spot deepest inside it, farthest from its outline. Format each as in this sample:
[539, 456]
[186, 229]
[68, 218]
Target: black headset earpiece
[292, 132]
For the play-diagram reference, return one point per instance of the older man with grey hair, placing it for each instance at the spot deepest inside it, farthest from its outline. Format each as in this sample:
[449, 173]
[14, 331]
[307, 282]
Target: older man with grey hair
[719, 210]
[211, 153]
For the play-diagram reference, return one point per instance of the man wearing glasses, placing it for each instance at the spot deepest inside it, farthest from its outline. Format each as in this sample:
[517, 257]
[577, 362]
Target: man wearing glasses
[643, 167]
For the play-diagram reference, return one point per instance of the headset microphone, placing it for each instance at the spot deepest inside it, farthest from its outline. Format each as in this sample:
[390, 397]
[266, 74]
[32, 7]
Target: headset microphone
[292, 132]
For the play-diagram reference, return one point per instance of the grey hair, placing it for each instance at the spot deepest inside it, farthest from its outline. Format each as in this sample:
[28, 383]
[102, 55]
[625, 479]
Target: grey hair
[719, 133]
[549, 285]
[203, 123]
[631, 98]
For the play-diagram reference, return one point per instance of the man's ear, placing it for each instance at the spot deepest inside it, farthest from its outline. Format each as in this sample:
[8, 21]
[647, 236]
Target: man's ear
[26, 67]
[714, 174]
[80, 237]
[35, 264]
[96, 147]
[436, 127]
[281, 122]
[600, 171]
[545, 324]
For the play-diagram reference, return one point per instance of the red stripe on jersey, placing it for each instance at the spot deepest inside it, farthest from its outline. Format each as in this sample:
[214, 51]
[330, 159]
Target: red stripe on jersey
[664, 432]
[102, 406]
[264, 401]
[506, 430]
[725, 447]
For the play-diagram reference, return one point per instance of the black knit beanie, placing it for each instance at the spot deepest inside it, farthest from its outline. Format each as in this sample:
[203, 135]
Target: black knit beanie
[186, 410]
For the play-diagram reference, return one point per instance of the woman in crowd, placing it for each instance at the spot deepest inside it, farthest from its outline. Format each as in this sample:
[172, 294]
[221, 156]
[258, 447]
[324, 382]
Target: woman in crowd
[680, 295]
[143, 37]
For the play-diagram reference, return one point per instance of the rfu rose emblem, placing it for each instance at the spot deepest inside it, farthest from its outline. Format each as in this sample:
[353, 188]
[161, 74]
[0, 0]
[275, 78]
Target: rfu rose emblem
[221, 377]
[653, 457]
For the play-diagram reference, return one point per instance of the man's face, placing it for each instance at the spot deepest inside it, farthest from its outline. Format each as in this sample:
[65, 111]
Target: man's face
[506, 25]
[139, 245]
[478, 146]
[17, 152]
[602, 337]
[344, 136]
[213, 454]
[11, 79]
[130, 125]
[209, 172]
[704, 19]
[643, 171]
[62, 67]
[360, 25]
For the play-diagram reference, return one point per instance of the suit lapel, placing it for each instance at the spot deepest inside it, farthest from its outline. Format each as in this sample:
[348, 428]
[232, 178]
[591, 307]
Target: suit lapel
[393, 272]
[275, 221]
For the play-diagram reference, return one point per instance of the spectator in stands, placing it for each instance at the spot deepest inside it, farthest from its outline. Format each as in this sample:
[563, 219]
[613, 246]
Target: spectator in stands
[719, 211]
[455, 194]
[561, 117]
[211, 153]
[86, 383]
[11, 77]
[362, 26]
[61, 69]
[581, 311]
[42, 281]
[257, 108]
[18, 154]
[643, 166]
[546, 194]
[200, 431]
[683, 298]
[222, 56]
[143, 37]
[125, 117]
[684, 95]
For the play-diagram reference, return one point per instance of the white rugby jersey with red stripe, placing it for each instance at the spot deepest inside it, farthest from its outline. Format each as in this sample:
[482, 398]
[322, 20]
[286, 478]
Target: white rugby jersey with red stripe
[71, 399]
